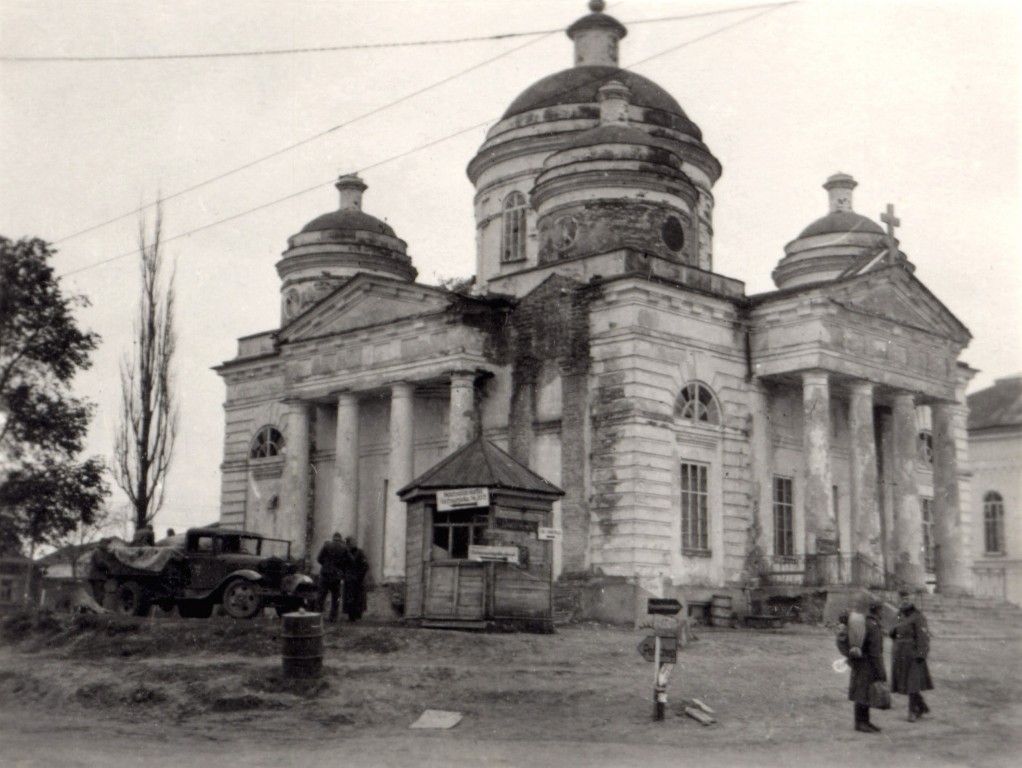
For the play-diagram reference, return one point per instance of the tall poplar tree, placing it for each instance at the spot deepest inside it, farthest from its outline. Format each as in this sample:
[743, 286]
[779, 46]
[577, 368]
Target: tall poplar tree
[144, 442]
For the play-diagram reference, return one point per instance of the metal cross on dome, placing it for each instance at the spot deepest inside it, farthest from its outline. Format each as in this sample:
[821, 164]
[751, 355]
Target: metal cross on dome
[892, 221]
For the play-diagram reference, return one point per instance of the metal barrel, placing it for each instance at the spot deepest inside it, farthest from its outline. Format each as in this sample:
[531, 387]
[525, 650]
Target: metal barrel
[302, 653]
[720, 611]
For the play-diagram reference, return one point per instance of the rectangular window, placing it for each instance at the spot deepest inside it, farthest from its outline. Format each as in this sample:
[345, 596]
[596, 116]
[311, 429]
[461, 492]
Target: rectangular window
[454, 530]
[927, 510]
[993, 523]
[694, 509]
[784, 516]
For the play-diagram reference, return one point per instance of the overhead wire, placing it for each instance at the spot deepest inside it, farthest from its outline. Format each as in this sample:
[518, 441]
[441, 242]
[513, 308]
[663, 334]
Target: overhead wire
[321, 134]
[350, 47]
[766, 9]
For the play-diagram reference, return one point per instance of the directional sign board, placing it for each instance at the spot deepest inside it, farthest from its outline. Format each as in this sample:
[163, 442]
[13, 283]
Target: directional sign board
[666, 606]
[668, 649]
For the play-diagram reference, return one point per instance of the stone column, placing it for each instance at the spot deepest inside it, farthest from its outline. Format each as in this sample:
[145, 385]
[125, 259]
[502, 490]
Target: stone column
[820, 526]
[345, 517]
[295, 506]
[908, 516]
[401, 466]
[953, 575]
[865, 512]
[462, 416]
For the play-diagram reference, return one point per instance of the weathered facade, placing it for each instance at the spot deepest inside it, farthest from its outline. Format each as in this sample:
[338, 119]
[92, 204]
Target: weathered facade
[705, 439]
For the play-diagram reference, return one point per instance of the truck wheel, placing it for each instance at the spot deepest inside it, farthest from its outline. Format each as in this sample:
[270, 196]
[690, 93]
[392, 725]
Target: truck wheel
[196, 609]
[241, 599]
[129, 599]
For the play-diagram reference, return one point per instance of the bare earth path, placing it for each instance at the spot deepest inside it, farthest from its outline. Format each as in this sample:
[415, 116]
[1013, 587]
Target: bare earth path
[195, 693]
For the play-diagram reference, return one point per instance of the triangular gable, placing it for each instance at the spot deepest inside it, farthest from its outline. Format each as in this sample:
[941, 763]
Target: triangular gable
[895, 294]
[365, 300]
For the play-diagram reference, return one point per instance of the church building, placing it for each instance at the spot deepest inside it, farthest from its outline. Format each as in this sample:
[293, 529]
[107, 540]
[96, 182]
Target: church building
[707, 441]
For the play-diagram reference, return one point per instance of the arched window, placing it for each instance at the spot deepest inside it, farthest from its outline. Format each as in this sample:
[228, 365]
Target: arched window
[512, 244]
[268, 442]
[993, 523]
[697, 404]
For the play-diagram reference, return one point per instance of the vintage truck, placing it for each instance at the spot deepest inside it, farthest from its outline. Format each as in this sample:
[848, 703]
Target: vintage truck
[239, 570]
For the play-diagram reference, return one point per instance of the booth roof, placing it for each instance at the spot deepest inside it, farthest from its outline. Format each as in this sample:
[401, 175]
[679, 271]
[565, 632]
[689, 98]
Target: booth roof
[481, 464]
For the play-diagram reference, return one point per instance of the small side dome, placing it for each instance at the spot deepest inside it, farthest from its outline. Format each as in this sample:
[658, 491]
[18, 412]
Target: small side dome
[349, 215]
[841, 221]
[837, 244]
[336, 246]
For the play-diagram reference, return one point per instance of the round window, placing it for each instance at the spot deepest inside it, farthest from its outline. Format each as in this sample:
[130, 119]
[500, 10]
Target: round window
[673, 234]
[565, 232]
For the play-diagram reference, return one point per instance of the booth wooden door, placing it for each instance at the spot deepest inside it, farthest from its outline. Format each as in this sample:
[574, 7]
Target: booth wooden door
[456, 590]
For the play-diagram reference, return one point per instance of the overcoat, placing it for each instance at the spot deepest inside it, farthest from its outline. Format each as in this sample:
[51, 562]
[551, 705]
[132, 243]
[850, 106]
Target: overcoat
[909, 671]
[355, 583]
[334, 560]
[870, 666]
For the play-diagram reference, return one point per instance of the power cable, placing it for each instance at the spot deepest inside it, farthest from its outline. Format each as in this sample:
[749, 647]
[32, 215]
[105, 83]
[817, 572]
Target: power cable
[353, 47]
[419, 148]
[354, 120]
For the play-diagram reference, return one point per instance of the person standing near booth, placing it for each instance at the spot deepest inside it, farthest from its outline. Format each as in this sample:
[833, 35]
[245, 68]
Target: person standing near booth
[356, 570]
[333, 562]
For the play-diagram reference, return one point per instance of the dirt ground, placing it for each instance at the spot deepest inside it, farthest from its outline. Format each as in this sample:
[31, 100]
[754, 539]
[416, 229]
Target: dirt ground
[97, 690]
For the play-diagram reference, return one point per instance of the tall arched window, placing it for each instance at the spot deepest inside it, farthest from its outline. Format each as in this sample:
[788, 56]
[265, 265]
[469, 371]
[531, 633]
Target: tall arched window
[268, 442]
[512, 244]
[697, 404]
[993, 523]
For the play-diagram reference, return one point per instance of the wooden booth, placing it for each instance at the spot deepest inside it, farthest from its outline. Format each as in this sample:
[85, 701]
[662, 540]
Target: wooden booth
[479, 546]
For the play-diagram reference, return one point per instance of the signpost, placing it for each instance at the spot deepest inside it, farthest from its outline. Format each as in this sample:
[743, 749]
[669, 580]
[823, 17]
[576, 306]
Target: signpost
[661, 648]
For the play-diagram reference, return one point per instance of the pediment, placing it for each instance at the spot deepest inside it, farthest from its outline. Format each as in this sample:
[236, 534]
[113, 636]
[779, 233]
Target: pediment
[362, 302]
[895, 295]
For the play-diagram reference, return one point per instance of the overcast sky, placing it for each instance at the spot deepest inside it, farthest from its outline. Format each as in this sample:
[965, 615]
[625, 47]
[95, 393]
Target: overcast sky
[919, 101]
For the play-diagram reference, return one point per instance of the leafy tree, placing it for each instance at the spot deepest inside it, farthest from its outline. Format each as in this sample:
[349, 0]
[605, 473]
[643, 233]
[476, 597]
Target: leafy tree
[45, 492]
[144, 442]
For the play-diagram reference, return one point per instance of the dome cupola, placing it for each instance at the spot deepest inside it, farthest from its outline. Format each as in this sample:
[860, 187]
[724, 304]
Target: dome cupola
[547, 117]
[842, 242]
[615, 186]
[334, 247]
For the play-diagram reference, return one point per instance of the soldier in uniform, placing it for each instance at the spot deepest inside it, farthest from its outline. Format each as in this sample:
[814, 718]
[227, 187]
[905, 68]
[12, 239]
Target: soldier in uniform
[909, 671]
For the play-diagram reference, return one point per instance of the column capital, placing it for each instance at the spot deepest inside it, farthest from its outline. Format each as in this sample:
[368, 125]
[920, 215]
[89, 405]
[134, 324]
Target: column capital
[345, 397]
[815, 377]
[402, 389]
[902, 398]
[462, 377]
[861, 387]
[295, 403]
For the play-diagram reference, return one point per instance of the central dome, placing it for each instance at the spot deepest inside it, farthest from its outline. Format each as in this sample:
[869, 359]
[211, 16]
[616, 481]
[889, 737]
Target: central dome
[580, 85]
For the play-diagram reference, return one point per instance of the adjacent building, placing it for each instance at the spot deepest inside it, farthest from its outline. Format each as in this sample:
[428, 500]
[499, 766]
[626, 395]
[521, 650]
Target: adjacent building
[706, 440]
[995, 450]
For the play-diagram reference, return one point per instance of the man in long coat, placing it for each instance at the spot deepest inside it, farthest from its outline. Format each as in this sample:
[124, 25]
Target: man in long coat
[909, 671]
[356, 570]
[333, 561]
[867, 666]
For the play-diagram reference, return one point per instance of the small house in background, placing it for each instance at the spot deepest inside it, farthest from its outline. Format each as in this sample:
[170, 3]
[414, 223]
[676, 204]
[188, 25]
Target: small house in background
[19, 582]
[479, 542]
